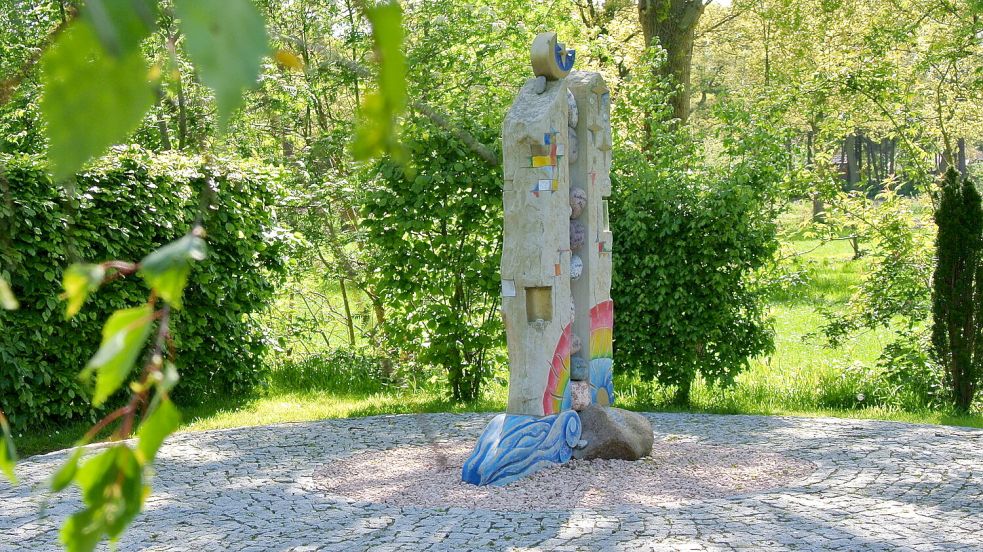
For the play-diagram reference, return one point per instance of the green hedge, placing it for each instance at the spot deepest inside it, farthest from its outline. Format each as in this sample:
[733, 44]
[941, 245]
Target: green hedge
[125, 207]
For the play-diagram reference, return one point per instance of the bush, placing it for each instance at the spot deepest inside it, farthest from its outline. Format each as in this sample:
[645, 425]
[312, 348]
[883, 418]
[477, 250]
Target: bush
[125, 207]
[435, 238]
[910, 377]
[957, 285]
[684, 300]
[690, 237]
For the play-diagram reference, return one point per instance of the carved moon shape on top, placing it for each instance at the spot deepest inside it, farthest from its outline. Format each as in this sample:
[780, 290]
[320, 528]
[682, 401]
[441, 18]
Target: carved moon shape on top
[551, 59]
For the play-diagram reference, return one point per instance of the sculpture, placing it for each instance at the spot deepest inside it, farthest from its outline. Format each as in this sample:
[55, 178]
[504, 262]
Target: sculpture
[555, 302]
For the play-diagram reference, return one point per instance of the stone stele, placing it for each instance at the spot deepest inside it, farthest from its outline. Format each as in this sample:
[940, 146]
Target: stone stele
[545, 310]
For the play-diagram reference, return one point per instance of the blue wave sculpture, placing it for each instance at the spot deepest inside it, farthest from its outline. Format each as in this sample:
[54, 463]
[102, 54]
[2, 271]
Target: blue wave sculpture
[514, 446]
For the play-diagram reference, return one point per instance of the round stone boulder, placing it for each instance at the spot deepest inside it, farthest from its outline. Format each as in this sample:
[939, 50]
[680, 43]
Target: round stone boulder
[614, 434]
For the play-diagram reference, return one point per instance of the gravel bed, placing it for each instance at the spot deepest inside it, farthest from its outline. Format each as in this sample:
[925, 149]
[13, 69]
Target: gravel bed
[677, 472]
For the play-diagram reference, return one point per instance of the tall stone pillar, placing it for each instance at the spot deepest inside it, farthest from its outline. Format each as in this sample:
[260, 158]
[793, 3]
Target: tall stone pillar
[590, 183]
[556, 267]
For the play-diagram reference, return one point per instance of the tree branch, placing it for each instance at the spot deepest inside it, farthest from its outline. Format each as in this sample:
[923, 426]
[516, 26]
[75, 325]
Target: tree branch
[438, 118]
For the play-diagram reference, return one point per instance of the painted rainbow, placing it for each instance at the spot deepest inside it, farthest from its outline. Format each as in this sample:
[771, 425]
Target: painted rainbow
[601, 353]
[556, 397]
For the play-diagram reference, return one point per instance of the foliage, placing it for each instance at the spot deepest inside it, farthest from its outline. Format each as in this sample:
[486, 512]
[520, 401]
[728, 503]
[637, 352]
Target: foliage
[342, 370]
[373, 136]
[957, 288]
[75, 72]
[689, 241]
[437, 236]
[909, 375]
[226, 40]
[682, 282]
[432, 227]
[221, 344]
[96, 88]
[894, 291]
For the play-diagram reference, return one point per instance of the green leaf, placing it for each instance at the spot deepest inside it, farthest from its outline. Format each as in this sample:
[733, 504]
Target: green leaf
[121, 24]
[163, 421]
[80, 533]
[376, 132]
[8, 453]
[226, 40]
[113, 491]
[166, 270]
[90, 99]
[78, 282]
[123, 337]
[7, 299]
[64, 476]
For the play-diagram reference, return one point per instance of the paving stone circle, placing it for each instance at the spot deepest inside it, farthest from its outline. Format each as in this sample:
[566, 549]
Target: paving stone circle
[875, 486]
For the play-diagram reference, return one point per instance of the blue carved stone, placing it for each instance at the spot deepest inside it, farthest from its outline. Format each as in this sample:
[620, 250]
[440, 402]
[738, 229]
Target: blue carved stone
[579, 368]
[514, 446]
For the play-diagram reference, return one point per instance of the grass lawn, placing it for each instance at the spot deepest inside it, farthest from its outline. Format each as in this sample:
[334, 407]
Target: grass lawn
[801, 378]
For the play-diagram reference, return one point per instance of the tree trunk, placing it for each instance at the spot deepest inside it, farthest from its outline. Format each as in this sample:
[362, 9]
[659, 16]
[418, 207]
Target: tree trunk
[682, 395]
[182, 119]
[852, 163]
[961, 156]
[673, 23]
[348, 312]
[165, 139]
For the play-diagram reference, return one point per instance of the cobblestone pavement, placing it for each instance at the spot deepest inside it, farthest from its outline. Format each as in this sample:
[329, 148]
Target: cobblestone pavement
[877, 486]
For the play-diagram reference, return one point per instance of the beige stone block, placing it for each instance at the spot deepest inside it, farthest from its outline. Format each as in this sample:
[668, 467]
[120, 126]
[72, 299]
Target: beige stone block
[580, 394]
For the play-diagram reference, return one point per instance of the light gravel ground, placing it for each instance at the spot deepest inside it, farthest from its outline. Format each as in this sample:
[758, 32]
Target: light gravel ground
[870, 486]
[676, 472]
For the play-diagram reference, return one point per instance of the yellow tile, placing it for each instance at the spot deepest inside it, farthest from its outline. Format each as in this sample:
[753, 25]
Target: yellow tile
[541, 161]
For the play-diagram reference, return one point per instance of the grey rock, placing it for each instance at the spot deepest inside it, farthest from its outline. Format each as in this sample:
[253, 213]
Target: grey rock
[578, 235]
[540, 86]
[579, 368]
[614, 434]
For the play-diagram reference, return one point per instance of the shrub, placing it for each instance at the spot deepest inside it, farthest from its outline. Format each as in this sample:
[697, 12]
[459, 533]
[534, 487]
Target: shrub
[910, 377]
[957, 285]
[435, 237]
[684, 299]
[690, 237]
[123, 208]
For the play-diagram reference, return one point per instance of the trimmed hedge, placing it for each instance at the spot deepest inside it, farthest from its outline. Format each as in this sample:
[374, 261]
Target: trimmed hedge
[126, 206]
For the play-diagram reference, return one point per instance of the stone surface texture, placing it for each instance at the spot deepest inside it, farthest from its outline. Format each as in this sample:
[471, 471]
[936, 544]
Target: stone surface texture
[556, 250]
[614, 434]
[874, 486]
[536, 241]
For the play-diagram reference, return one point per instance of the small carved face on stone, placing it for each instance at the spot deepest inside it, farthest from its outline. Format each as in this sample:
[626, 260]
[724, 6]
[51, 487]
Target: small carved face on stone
[576, 267]
[578, 200]
[578, 235]
[572, 114]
